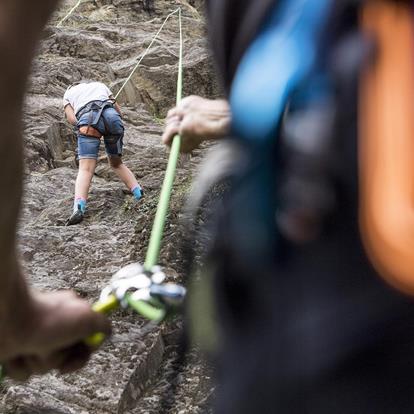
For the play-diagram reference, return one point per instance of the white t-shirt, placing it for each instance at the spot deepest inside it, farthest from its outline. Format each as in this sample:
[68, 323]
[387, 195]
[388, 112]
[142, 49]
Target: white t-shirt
[80, 95]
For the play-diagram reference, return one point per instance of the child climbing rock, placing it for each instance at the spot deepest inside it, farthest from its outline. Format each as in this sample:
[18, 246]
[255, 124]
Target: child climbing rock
[90, 107]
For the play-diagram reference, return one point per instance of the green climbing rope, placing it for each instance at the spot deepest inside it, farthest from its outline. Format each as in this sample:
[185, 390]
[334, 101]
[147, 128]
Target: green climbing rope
[162, 209]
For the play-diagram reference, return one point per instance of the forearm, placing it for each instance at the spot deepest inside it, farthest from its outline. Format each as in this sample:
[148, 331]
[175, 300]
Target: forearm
[16, 305]
[22, 25]
[71, 119]
[38, 332]
[13, 77]
[11, 169]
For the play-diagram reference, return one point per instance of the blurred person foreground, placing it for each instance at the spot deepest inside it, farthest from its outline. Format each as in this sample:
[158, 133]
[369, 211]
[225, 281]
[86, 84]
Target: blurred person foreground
[308, 275]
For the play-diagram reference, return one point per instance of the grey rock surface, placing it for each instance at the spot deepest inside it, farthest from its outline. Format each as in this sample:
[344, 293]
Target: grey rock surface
[137, 370]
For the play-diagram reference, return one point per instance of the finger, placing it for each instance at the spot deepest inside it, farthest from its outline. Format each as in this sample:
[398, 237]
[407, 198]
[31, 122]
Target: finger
[174, 112]
[82, 322]
[92, 322]
[189, 125]
[169, 133]
[68, 321]
[173, 120]
[190, 102]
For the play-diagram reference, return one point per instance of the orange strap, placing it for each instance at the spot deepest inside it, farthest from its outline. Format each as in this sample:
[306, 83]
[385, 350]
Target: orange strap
[386, 143]
[90, 131]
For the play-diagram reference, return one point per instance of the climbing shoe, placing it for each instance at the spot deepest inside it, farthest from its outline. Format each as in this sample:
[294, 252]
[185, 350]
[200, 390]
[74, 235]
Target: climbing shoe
[75, 218]
[138, 192]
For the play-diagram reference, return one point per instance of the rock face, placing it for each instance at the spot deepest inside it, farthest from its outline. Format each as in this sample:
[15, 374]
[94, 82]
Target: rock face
[137, 370]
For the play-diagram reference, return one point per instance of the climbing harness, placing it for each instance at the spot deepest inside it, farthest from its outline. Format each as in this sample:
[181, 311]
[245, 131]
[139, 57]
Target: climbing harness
[95, 109]
[94, 106]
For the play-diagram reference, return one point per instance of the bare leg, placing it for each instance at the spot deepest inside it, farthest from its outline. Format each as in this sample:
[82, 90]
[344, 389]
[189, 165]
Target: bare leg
[83, 181]
[123, 172]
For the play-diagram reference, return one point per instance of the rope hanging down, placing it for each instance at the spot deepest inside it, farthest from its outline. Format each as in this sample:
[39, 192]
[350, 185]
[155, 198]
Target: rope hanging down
[69, 13]
[149, 47]
[162, 208]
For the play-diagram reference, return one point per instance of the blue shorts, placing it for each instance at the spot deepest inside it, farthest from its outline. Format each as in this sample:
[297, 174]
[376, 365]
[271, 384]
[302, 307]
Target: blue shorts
[111, 126]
